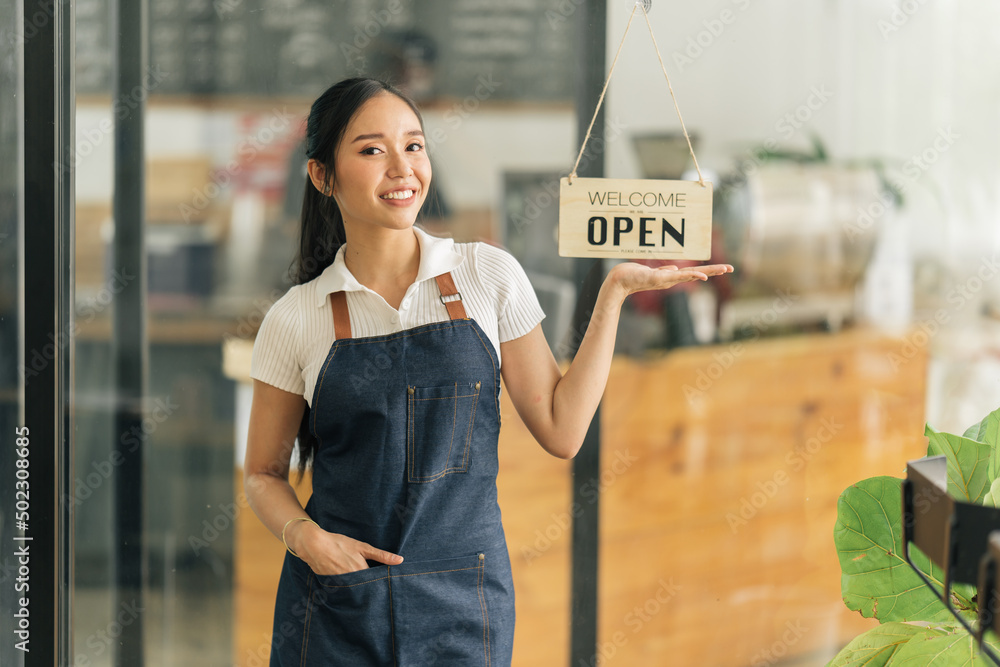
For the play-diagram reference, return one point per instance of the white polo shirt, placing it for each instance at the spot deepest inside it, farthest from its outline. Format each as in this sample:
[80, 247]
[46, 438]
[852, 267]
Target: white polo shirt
[296, 333]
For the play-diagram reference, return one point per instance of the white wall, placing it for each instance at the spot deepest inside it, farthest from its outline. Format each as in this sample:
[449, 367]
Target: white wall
[476, 144]
[171, 132]
[471, 161]
[892, 92]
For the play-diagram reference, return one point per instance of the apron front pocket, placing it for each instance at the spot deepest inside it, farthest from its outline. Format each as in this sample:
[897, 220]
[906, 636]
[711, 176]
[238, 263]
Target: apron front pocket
[439, 611]
[439, 429]
[350, 621]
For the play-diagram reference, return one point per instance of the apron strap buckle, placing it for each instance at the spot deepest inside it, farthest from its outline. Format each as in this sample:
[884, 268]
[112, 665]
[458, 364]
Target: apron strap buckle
[451, 297]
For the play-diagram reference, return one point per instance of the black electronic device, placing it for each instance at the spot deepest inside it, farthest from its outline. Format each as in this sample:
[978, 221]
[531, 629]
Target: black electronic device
[953, 534]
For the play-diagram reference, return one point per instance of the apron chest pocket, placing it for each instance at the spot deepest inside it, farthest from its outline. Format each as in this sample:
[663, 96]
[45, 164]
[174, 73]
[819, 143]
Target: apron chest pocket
[439, 429]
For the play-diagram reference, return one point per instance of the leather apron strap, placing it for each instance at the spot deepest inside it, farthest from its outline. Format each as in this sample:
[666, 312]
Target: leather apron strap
[450, 297]
[456, 309]
[341, 318]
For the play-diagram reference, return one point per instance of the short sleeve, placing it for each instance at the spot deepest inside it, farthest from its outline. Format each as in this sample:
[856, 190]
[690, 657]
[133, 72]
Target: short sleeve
[518, 310]
[276, 354]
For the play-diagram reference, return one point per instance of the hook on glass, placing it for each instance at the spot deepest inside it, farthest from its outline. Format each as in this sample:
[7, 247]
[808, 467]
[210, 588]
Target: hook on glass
[645, 4]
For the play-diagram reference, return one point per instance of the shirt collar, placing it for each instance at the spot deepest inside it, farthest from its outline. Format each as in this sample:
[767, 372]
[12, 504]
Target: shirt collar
[437, 256]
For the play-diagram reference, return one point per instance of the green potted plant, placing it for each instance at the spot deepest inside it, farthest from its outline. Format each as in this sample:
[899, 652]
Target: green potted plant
[916, 628]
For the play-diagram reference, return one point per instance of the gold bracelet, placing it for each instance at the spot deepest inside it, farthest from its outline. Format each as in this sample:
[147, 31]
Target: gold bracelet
[298, 518]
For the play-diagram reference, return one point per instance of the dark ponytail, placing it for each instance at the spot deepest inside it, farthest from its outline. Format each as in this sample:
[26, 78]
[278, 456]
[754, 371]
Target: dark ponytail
[322, 231]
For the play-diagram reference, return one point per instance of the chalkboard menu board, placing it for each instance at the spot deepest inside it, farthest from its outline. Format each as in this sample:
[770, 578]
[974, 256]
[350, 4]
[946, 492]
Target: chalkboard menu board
[495, 49]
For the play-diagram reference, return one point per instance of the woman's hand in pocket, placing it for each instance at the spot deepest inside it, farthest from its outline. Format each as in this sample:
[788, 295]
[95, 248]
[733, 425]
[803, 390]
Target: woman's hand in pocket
[333, 553]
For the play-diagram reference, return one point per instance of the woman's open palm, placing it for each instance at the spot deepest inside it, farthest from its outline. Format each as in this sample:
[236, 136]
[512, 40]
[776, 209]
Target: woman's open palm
[632, 277]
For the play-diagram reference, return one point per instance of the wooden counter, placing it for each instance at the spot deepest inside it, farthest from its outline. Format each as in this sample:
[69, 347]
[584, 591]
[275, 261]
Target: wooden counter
[721, 471]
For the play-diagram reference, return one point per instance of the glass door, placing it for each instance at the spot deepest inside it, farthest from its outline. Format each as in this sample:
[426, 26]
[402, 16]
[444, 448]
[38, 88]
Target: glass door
[12, 263]
[190, 178]
[36, 110]
[855, 200]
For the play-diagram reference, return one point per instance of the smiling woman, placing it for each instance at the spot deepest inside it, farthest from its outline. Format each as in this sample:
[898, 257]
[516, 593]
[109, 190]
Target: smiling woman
[382, 176]
[385, 361]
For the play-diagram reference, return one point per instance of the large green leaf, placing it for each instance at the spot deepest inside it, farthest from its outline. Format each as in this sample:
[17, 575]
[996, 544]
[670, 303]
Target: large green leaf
[968, 464]
[986, 431]
[992, 498]
[876, 580]
[972, 432]
[876, 647]
[903, 645]
[954, 648]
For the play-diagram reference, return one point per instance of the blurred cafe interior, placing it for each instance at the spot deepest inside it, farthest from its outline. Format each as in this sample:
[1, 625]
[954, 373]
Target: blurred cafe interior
[851, 147]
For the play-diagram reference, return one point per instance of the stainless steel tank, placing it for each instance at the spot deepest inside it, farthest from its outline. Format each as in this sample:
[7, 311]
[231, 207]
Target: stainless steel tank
[805, 227]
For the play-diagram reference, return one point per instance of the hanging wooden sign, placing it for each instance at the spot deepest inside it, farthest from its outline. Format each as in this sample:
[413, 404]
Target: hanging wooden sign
[635, 218]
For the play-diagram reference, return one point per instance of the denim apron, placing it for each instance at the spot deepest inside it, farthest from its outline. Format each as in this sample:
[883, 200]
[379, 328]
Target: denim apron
[407, 425]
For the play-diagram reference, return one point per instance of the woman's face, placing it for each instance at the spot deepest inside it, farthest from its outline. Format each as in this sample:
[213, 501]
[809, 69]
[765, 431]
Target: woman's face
[381, 166]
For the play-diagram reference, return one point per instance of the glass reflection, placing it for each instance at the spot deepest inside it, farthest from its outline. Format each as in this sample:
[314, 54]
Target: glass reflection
[11, 266]
[853, 197]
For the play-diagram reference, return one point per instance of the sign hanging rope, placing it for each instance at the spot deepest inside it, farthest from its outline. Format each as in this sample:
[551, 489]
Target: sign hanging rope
[635, 218]
[639, 4]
